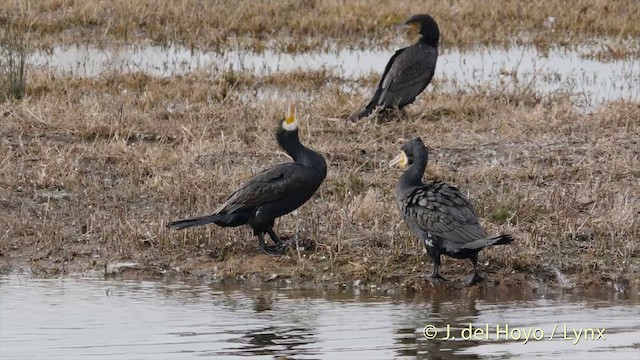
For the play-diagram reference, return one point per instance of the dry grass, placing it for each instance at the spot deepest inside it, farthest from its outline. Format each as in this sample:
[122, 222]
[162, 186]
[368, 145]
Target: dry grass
[300, 25]
[92, 169]
[610, 52]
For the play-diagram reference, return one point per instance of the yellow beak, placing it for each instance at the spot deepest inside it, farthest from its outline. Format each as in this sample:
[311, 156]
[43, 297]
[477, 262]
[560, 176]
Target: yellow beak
[291, 114]
[402, 160]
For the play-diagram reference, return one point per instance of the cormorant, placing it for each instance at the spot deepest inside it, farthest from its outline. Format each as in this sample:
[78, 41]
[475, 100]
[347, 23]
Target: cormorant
[272, 193]
[409, 71]
[438, 214]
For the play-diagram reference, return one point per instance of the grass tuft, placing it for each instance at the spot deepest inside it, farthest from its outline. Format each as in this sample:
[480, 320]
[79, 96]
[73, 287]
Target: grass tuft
[13, 55]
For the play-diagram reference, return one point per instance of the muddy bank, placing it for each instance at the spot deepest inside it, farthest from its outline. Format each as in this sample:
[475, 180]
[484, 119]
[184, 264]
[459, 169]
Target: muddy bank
[306, 269]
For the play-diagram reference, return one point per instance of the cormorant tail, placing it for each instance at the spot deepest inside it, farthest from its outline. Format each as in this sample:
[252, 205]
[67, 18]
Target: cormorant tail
[492, 241]
[224, 220]
[187, 223]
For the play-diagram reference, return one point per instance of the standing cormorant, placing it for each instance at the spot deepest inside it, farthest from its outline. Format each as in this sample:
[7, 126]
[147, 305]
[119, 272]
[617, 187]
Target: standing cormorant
[409, 71]
[438, 214]
[272, 193]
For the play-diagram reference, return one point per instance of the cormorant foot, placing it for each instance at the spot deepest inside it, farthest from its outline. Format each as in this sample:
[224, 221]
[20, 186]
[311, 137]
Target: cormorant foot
[436, 277]
[474, 279]
[275, 250]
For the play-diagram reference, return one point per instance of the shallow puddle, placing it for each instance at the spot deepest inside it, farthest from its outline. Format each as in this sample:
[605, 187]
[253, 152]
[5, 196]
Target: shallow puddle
[592, 81]
[108, 319]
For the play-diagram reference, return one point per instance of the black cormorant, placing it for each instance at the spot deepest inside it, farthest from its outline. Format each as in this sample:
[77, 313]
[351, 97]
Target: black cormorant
[272, 193]
[438, 214]
[409, 71]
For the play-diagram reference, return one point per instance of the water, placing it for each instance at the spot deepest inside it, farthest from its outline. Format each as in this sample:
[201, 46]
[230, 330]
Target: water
[109, 319]
[593, 81]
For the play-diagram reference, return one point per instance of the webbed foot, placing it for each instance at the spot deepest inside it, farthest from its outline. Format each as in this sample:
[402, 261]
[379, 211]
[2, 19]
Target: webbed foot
[436, 277]
[275, 250]
[474, 279]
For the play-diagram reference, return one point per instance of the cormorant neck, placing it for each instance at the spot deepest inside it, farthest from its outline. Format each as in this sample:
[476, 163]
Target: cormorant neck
[413, 175]
[294, 148]
[303, 155]
[429, 41]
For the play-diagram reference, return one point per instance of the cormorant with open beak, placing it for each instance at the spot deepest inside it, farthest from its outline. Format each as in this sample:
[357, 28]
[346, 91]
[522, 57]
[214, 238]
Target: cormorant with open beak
[272, 193]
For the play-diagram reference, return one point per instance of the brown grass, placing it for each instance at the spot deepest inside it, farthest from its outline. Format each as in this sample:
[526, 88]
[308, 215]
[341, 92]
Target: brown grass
[300, 25]
[92, 169]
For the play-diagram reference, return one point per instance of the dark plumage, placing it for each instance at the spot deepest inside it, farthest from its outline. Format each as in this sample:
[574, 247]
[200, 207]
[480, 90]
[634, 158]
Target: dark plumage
[409, 71]
[438, 214]
[272, 193]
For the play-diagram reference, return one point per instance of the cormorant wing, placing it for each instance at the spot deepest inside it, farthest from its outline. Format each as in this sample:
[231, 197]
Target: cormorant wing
[408, 76]
[376, 96]
[442, 211]
[271, 185]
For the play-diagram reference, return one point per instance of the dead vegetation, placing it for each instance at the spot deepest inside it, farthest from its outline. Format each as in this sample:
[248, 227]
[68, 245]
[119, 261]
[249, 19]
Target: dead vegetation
[304, 25]
[92, 169]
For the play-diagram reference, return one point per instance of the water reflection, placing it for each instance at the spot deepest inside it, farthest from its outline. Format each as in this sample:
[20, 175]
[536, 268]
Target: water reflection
[273, 340]
[91, 318]
[409, 329]
[558, 69]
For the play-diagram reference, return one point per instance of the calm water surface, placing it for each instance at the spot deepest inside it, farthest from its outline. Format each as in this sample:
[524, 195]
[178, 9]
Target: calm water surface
[592, 82]
[110, 319]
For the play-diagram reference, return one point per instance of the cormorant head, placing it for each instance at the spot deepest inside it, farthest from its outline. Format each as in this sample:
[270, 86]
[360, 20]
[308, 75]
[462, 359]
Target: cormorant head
[288, 126]
[426, 26]
[410, 151]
